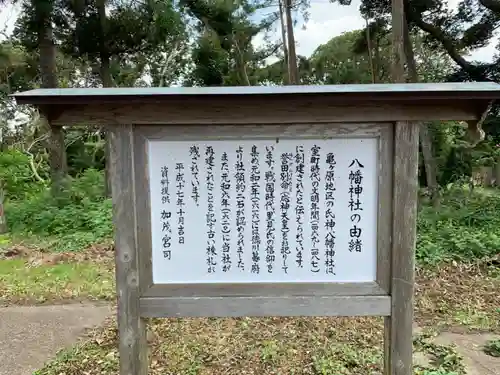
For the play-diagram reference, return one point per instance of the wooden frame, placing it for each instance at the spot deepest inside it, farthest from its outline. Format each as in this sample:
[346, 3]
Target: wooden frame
[136, 115]
[389, 296]
[177, 296]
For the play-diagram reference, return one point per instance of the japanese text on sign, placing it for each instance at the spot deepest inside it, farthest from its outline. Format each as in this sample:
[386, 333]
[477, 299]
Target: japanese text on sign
[264, 211]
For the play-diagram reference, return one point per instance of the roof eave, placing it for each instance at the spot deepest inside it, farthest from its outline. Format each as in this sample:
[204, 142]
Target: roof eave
[335, 97]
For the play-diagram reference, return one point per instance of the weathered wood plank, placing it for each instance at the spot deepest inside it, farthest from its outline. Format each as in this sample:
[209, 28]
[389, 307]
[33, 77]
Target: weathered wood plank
[132, 328]
[266, 290]
[143, 210]
[213, 111]
[384, 218]
[398, 328]
[265, 306]
[262, 131]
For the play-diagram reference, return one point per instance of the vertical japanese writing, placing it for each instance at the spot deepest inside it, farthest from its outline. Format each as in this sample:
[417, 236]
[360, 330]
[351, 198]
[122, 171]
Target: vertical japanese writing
[194, 152]
[286, 190]
[255, 198]
[270, 209]
[210, 216]
[225, 204]
[314, 207]
[299, 207]
[165, 215]
[240, 204]
[329, 214]
[179, 179]
[165, 194]
[355, 205]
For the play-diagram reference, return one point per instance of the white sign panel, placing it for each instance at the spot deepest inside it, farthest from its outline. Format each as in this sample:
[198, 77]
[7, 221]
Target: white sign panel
[240, 211]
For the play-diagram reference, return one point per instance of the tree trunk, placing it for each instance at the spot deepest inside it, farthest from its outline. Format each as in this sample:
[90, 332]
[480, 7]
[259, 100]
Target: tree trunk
[241, 66]
[429, 164]
[376, 61]
[57, 151]
[425, 137]
[107, 81]
[3, 220]
[1, 138]
[286, 77]
[292, 56]
[496, 172]
[370, 51]
[398, 55]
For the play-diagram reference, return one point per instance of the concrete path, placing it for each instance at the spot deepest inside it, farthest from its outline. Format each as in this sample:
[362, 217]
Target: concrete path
[470, 347]
[30, 336]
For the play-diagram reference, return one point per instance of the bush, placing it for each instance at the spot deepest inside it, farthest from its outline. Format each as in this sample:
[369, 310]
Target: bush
[17, 177]
[78, 217]
[466, 227]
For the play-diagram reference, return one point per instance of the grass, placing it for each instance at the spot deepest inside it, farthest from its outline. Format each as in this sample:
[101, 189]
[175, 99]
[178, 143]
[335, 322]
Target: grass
[455, 296]
[29, 276]
[306, 346]
[462, 297]
[47, 283]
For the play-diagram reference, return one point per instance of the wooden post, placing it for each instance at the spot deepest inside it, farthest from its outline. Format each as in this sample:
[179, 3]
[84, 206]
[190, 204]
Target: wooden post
[132, 328]
[398, 326]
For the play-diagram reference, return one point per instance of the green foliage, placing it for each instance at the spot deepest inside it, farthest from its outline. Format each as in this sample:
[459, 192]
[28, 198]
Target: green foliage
[78, 217]
[466, 227]
[17, 177]
[335, 63]
[223, 53]
[445, 359]
[492, 347]
[84, 150]
[17, 69]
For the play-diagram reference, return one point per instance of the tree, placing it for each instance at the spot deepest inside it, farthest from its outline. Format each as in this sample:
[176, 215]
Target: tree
[454, 32]
[131, 32]
[223, 53]
[472, 26]
[35, 29]
[340, 61]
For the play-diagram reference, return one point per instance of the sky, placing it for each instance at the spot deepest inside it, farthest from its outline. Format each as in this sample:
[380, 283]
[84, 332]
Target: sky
[326, 21]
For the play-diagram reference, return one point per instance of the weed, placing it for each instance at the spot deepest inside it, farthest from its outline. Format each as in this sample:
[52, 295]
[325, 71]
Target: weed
[465, 228]
[77, 218]
[492, 348]
[20, 283]
[444, 358]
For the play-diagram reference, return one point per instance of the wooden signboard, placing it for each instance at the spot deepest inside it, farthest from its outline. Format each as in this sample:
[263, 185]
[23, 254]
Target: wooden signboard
[302, 204]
